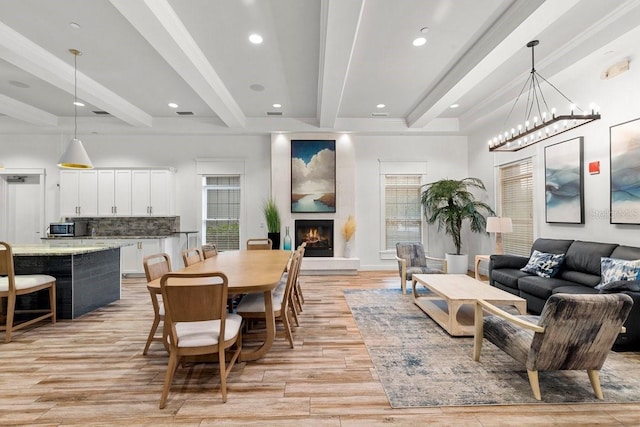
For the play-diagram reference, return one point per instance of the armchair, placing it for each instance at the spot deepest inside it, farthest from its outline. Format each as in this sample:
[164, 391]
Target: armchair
[412, 260]
[573, 332]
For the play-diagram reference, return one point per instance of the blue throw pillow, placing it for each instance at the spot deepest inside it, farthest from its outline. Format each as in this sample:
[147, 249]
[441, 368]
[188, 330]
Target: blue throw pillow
[615, 270]
[543, 264]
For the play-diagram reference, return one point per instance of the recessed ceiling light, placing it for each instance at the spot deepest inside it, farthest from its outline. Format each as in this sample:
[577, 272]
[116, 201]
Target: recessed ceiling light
[380, 106]
[424, 30]
[255, 38]
[420, 41]
[277, 105]
[454, 105]
[172, 105]
[74, 25]
[78, 103]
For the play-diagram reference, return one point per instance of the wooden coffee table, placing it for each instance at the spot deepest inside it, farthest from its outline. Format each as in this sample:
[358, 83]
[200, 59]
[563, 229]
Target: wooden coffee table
[452, 297]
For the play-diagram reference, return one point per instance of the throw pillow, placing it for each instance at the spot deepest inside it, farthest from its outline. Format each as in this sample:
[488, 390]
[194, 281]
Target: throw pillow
[543, 264]
[615, 270]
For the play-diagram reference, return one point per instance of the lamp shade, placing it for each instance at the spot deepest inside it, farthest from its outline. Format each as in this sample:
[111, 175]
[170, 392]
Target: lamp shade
[75, 157]
[496, 224]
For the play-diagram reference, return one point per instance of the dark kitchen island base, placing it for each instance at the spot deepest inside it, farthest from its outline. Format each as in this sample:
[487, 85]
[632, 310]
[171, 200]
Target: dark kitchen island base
[86, 277]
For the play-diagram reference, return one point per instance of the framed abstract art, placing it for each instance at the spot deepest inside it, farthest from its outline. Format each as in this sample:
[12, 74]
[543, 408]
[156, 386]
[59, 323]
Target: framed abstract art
[313, 176]
[563, 183]
[625, 172]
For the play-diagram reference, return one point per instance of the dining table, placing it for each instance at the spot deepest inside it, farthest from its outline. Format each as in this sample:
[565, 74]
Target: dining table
[247, 272]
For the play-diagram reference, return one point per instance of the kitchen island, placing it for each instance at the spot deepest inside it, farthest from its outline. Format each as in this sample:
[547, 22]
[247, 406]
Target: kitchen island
[87, 275]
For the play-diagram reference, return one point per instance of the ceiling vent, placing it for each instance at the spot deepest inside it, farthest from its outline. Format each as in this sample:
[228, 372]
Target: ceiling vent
[274, 113]
[16, 178]
[379, 114]
[101, 113]
[185, 113]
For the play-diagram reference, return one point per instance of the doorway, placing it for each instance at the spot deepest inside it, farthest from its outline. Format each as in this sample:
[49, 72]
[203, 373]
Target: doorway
[22, 195]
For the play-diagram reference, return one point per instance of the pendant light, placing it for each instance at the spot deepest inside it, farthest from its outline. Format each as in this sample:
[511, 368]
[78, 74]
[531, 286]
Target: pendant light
[75, 157]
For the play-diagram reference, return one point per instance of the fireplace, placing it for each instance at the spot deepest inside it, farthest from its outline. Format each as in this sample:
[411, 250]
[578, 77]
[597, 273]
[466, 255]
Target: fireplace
[318, 233]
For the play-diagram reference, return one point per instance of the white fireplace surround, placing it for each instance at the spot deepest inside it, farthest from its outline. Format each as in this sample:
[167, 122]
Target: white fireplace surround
[345, 199]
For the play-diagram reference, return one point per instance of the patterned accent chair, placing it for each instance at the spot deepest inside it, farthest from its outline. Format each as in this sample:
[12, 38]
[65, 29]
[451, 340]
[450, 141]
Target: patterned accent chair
[573, 332]
[412, 260]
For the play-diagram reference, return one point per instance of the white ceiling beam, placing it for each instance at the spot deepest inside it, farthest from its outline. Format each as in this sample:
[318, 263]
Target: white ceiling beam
[340, 21]
[25, 112]
[159, 24]
[32, 58]
[516, 26]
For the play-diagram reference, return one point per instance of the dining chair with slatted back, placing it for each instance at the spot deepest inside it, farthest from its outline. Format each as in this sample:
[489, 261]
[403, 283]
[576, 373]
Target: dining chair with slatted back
[12, 286]
[192, 256]
[155, 266]
[297, 289]
[209, 250]
[259, 244]
[252, 305]
[199, 324]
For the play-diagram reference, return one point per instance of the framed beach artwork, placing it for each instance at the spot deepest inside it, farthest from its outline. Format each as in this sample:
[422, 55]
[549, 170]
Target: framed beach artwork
[625, 172]
[313, 176]
[563, 183]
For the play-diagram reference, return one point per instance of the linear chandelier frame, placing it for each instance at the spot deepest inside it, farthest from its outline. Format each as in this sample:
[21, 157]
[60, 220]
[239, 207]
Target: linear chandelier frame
[547, 123]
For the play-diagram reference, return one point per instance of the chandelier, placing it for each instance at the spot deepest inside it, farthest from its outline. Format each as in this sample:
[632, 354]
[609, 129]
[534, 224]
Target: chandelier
[546, 122]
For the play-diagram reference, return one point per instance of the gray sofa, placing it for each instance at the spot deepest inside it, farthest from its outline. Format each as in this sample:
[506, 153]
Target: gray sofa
[579, 274]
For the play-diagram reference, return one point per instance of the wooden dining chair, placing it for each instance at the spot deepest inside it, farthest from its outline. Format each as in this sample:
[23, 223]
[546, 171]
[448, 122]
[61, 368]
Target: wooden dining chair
[12, 286]
[259, 244]
[297, 289]
[192, 256]
[252, 306]
[209, 250]
[198, 323]
[154, 267]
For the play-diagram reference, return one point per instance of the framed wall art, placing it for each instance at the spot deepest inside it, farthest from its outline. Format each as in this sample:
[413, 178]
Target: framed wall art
[563, 183]
[625, 172]
[313, 176]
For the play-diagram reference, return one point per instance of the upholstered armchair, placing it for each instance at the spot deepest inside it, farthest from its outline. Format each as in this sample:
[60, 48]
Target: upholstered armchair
[412, 260]
[573, 332]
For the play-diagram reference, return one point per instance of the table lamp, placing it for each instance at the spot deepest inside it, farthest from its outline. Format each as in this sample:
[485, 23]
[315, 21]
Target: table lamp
[499, 225]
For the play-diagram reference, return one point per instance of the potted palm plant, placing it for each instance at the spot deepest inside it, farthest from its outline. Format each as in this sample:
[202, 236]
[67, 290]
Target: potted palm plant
[272, 217]
[450, 202]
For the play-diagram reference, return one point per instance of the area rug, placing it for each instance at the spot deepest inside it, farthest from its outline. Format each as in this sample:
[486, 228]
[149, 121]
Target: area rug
[420, 365]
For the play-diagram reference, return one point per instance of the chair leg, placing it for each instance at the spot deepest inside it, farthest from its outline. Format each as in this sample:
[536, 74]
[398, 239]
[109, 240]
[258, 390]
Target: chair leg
[11, 309]
[223, 374]
[299, 294]
[478, 332]
[52, 302]
[594, 377]
[403, 286]
[295, 314]
[535, 385]
[287, 328]
[152, 334]
[168, 378]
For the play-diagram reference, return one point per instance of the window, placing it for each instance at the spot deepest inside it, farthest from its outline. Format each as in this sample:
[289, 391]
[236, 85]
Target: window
[516, 202]
[221, 211]
[402, 209]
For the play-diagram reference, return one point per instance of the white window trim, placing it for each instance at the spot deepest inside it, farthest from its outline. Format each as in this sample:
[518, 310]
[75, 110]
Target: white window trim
[396, 168]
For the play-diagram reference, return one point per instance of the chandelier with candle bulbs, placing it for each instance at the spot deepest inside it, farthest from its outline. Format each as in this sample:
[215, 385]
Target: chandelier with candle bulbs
[546, 122]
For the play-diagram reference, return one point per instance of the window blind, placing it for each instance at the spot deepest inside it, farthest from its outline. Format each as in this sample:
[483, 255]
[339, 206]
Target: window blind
[222, 211]
[516, 202]
[403, 220]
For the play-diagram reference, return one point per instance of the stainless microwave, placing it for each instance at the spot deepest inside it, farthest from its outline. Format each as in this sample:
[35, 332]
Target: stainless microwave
[68, 229]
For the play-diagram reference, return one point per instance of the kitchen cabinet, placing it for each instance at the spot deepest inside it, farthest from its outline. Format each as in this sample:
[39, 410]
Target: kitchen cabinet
[152, 192]
[133, 255]
[78, 193]
[114, 192]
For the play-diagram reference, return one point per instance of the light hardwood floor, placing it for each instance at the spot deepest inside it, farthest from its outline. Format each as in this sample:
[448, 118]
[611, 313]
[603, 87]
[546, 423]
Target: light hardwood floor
[91, 371]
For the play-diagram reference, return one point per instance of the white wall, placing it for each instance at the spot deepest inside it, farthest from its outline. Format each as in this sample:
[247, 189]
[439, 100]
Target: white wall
[180, 152]
[618, 101]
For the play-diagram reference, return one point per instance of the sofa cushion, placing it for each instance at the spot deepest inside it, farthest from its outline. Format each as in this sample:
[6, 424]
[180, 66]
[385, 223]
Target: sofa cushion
[543, 264]
[508, 276]
[579, 277]
[626, 252]
[614, 270]
[585, 256]
[552, 246]
[621, 286]
[574, 289]
[541, 287]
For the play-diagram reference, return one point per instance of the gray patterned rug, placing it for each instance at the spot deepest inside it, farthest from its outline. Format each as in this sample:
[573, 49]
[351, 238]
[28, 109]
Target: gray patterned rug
[419, 364]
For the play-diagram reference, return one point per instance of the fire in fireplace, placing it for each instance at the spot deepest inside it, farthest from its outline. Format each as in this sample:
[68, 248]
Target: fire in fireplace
[318, 233]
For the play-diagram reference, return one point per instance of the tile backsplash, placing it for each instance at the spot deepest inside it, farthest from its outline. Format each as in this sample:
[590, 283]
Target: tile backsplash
[132, 226]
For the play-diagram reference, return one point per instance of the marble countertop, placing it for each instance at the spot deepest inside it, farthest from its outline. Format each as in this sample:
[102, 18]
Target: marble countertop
[60, 249]
[63, 238]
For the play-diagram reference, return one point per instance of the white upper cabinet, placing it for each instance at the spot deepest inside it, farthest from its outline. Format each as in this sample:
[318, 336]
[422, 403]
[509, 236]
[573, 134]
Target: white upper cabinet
[152, 192]
[114, 192]
[78, 193]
